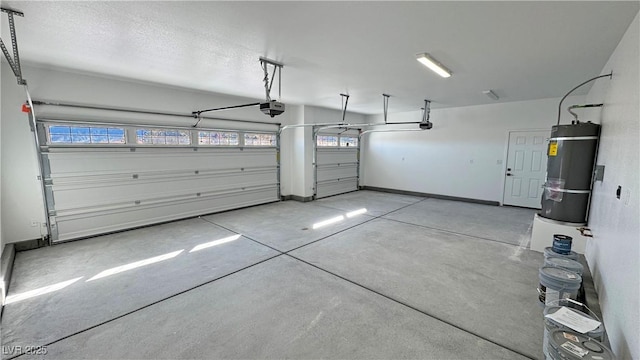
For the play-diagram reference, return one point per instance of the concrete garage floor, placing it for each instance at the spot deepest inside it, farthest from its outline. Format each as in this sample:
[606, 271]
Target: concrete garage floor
[409, 278]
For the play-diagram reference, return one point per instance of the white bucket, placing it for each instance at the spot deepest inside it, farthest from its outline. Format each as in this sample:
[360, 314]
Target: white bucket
[577, 307]
[557, 283]
[568, 264]
[565, 345]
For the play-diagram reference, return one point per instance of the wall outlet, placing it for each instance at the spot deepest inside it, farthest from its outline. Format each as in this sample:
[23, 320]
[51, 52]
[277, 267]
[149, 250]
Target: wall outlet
[627, 196]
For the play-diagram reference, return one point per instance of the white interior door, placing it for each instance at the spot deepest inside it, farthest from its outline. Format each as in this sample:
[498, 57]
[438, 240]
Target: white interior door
[526, 168]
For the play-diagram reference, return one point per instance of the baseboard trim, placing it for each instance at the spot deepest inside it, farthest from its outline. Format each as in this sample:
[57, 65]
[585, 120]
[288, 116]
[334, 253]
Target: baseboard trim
[8, 257]
[299, 198]
[30, 244]
[435, 196]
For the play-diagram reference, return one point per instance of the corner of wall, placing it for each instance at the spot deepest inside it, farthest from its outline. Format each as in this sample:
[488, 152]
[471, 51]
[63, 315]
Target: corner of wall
[6, 269]
[613, 252]
[1, 228]
[20, 187]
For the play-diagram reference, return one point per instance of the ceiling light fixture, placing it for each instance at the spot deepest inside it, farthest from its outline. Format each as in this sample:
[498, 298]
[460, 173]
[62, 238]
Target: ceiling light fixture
[433, 64]
[491, 94]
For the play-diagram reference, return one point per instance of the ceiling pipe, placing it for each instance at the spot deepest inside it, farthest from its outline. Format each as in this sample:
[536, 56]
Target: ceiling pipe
[287, 127]
[345, 126]
[345, 102]
[342, 124]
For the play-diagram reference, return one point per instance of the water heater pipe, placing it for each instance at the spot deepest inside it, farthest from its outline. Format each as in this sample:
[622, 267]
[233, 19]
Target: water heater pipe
[575, 116]
[610, 75]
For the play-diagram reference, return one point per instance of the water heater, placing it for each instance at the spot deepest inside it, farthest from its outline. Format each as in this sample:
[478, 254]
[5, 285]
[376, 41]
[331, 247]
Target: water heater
[570, 168]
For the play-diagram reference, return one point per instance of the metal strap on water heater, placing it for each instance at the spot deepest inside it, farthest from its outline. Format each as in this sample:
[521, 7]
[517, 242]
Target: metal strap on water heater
[565, 138]
[567, 190]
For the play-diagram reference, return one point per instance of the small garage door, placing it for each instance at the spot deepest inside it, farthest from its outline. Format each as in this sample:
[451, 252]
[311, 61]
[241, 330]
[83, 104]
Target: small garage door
[336, 163]
[105, 177]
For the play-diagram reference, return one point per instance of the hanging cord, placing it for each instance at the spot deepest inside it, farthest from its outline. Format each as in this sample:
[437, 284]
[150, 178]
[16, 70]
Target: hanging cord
[610, 75]
[385, 105]
[199, 119]
[34, 128]
[345, 102]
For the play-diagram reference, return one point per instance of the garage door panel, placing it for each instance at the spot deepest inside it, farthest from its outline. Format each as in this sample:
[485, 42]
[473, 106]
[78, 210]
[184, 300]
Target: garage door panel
[78, 192]
[87, 223]
[336, 172]
[96, 163]
[87, 178]
[97, 187]
[335, 187]
[336, 157]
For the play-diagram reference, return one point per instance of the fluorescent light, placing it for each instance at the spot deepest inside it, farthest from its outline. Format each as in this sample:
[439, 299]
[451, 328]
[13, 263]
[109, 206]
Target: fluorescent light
[490, 94]
[434, 65]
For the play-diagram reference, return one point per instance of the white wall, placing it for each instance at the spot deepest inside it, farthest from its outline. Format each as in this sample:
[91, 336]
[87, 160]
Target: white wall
[1, 229]
[462, 156]
[614, 252]
[290, 180]
[20, 188]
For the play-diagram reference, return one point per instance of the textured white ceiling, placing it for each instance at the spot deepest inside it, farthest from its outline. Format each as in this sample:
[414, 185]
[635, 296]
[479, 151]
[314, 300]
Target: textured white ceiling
[521, 50]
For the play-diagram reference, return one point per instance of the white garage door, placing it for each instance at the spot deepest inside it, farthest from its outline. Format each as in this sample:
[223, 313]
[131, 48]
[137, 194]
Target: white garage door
[336, 163]
[106, 177]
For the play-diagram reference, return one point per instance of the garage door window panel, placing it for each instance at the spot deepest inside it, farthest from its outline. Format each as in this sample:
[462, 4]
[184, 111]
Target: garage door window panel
[348, 141]
[163, 137]
[69, 134]
[218, 138]
[259, 139]
[327, 140]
